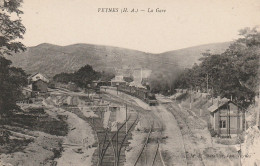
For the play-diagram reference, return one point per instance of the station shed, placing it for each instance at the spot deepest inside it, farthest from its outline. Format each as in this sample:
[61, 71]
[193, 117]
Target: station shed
[227, 118]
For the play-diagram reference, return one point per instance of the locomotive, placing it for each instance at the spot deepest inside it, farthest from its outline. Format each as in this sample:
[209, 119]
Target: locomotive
[140, 93]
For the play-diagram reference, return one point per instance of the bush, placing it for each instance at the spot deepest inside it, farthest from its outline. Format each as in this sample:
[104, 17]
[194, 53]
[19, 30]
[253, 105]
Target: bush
[4, 136]
[40, 122]
[213, 133]
[227, 141]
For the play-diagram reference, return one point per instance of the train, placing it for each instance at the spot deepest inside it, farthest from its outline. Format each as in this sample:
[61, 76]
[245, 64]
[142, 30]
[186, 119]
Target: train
[140, 93]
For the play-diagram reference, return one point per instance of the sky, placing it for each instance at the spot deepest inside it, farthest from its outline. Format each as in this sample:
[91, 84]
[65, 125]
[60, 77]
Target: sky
[185, 23]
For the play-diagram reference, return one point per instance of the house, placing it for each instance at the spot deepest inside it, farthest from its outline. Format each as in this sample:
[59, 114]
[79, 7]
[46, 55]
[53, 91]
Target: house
[118, 80]
[40, 86]
[38, 76]
[227, 118]
[27, 92]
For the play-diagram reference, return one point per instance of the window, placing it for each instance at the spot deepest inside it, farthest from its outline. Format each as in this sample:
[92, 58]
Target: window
[222, 123]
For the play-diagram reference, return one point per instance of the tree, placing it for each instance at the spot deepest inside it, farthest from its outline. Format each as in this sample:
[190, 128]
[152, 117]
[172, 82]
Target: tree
[10, 30]
[85, 75]
[64, 77]
[11, 78]
[11, 81]
[232, 73]
[82, 77]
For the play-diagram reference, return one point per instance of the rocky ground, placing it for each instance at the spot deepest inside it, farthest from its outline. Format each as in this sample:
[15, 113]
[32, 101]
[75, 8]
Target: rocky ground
[185, 139]
[35, 138]
[188, 141]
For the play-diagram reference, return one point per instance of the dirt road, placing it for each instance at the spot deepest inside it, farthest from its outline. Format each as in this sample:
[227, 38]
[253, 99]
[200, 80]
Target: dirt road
[198, 144]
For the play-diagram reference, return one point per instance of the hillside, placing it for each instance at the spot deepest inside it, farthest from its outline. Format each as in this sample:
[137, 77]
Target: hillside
[52, 59]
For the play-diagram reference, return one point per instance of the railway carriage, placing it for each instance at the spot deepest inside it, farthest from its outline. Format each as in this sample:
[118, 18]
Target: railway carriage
[140, 93]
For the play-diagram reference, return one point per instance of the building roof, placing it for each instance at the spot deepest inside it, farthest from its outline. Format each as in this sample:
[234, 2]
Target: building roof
[36, 74]
[117, 81]
[27, 89]
[213, 108]
[39, 81]
[216, 106]
[137, 84]
[118, 78]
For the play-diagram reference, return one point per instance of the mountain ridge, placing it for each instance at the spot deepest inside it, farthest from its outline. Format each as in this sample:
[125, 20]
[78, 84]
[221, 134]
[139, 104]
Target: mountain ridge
[52, 59]
[75, 44]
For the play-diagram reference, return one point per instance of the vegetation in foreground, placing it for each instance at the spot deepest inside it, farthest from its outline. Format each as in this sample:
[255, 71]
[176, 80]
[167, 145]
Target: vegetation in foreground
[11, 78]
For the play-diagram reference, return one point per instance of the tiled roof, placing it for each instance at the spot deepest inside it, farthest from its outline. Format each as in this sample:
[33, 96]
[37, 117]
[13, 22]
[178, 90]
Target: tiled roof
[220, 103]
[213, 108]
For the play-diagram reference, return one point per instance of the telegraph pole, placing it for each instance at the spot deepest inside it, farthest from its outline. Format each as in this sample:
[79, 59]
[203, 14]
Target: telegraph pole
[116, 159]
[207, 87]
[258, 107]
[212, 95]
[258, 102]
[190, 98]
[126, 118]
[207, 83]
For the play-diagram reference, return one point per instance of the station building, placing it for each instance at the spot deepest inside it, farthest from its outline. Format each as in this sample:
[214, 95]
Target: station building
[227, 118]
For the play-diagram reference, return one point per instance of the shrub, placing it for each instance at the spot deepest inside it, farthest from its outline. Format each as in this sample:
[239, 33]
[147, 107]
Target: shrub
[211, 130]
[213, 133]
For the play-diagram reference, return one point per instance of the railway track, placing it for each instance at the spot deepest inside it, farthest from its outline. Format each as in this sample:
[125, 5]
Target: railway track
[110, 145]
[117, 142]
[150, 154]
[155, 157]
[187, 136]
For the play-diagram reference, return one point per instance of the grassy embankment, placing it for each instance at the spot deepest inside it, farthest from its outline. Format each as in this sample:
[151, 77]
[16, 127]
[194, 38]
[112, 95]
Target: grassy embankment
[33, 135]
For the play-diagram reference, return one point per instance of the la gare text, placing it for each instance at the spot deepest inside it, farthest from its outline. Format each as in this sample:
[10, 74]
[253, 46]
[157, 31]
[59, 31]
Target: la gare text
[130, 10]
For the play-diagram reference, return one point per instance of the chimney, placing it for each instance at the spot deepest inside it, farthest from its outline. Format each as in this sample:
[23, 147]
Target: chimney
[218, 102]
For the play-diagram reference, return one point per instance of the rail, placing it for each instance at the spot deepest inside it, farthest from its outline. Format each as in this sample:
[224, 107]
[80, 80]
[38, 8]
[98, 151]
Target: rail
[146, 142]
[121, 145]
[184, 122]
[110, 142]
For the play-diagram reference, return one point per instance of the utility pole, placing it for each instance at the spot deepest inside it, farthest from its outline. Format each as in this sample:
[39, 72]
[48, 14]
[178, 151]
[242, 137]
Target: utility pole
[258, 102]
[141, 74]
[207, 83]
[240, 153]
[207, 87]
[117, 84]
[125, 118]
[190, 98]
[212, 95]
[258, 108]
[117, 145]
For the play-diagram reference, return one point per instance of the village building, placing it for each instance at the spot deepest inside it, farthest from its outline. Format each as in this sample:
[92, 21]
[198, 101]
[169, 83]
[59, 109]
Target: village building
[139, 76]
[27, 92]
[40, 86]
[118, 80]
[38, 76]
[227, 119]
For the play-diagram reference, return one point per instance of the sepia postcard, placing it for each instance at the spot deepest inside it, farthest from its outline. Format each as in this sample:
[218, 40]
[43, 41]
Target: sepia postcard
[129, 83]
